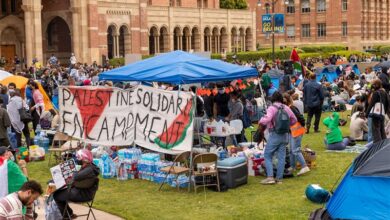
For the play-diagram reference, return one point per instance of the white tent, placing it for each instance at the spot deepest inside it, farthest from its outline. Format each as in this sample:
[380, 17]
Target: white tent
[4, 74]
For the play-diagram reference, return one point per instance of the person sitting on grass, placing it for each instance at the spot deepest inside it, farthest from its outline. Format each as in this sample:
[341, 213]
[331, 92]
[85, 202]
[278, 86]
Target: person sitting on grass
[334, 138]
[359, 126]
[84, 186]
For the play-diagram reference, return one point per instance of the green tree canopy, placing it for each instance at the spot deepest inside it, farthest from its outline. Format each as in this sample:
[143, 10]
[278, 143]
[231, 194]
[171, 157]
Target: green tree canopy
[233, 4]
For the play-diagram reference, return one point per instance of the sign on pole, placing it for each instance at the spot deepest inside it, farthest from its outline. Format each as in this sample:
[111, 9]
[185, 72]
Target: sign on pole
[278, 21]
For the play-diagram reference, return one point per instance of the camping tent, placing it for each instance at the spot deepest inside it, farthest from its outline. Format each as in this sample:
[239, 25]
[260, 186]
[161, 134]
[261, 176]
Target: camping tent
[355, 68]
[21, 83]
[329, 72]
[4, 74]
[275, 76]
[385, 64]
[364, 192]
[178, 67]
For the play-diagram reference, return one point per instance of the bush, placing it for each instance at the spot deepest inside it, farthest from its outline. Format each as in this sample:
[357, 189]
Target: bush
[265, 54]
[216, 56]
[384, 49]
[309, 55]
[323, 49]
[117, 61]
[147, 56]
[348, 53]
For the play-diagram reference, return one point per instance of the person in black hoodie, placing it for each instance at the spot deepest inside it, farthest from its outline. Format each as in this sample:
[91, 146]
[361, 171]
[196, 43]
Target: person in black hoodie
[378, 95]
[384, 77]
[84, 186]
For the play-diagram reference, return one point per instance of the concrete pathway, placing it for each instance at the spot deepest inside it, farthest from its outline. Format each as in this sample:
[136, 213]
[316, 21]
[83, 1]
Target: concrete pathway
[78, 210]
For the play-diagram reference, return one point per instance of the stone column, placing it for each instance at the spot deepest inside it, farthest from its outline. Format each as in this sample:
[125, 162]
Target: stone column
[189, 43]
[75, 31]
[180, 40]
[33, 28]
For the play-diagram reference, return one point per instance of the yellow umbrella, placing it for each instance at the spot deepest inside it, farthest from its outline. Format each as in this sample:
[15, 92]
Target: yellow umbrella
[21, 83]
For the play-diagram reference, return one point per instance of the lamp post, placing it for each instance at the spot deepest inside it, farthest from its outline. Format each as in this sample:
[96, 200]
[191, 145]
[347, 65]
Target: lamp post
[273, 3]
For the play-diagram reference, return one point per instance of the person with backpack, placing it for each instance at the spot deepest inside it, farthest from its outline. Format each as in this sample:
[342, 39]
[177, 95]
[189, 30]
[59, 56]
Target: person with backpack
[278, 120]
[297, 132]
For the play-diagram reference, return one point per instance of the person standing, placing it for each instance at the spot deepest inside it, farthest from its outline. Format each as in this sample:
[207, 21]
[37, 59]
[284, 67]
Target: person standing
[379, 99]
[313, 98]
[236, 110]
[384, 77]
[11, 206]
[278, 124]
[5, 123]
[16, 103]
[72, 61]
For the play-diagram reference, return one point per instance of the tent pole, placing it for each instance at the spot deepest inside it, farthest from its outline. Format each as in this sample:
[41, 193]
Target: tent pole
[192, 144]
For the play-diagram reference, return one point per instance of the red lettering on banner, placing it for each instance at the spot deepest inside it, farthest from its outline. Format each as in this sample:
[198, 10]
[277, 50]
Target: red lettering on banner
[91, 104]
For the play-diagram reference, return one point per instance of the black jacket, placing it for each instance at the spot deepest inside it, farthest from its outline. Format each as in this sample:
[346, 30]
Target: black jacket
[385, 81]
[85, 182]
[378, 96]
[312, 94]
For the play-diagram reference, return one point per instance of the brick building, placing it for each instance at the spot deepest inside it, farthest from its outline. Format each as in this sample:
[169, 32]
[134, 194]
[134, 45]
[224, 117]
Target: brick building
[359, 24]
[95, 29]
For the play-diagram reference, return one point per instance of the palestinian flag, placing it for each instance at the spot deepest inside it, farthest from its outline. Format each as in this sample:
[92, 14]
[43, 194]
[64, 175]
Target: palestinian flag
[298, 65]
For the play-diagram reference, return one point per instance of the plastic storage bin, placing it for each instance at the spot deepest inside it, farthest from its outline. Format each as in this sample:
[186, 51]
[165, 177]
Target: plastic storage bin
[233, 171]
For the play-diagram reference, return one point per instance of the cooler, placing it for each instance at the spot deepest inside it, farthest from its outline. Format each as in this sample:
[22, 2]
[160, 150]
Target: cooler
[233, 171]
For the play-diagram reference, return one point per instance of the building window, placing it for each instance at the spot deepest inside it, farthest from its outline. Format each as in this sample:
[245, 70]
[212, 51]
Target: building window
[4, 6]
[13, 6]
[321, 5]
[290, 7]
[267, 8]
[345, 29]
[205, 4]
[172, 3]
[305, 6]
[321, 30]
[305, 30]
[345, 5]
[290, 29]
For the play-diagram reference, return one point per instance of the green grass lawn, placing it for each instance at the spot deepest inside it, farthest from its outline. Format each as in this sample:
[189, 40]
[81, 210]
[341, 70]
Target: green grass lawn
[140, 199]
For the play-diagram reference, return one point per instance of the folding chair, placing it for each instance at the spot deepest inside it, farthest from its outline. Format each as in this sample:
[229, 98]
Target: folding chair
[208, 158]
[89, 204]
[60, 138]
[176, 170]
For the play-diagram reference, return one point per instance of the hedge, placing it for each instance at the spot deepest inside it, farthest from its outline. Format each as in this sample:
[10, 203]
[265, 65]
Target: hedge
[348, 53]
[117, 61]
[323, 48]
[310, 55]
[384, 49]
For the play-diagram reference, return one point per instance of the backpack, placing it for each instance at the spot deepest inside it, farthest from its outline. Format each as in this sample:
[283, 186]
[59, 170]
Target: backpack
[281, 121]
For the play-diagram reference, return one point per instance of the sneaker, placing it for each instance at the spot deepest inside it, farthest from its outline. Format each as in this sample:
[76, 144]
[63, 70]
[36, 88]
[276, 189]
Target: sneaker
[303, 171]
[268, 181]
[278, 181]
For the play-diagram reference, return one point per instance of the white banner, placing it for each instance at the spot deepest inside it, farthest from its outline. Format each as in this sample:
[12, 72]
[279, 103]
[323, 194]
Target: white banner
[155, 119]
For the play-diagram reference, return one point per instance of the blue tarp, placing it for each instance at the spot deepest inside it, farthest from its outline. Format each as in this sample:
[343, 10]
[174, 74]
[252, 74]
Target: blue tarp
[355, 69]
[275, 76]
[178, 67]
[329, 72]
[360, 197]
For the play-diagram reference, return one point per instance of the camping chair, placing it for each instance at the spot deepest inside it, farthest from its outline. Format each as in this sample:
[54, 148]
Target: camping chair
[89, 204]
[176, 170]
[60, 138]
[208, 158]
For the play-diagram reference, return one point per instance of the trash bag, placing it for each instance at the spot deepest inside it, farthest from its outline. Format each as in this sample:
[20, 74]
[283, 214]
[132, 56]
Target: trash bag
[51, 209]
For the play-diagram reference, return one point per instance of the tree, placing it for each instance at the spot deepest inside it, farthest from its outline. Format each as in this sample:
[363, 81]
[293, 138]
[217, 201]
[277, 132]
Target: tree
[233, 4]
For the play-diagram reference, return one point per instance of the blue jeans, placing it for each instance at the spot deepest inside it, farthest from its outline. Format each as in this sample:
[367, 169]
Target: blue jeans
[295, 152]
[276, 144]
[337, 146]
[369, 134]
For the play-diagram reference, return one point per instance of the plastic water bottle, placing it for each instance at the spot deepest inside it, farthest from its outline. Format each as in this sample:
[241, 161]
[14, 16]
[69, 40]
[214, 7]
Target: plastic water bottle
[37, 139]
[122, 172]
[38, 129]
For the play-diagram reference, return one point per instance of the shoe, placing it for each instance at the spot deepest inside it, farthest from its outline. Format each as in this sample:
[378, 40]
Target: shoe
[278, 181]
[317, 131]
[304, 170]
[291, 170]
[268, 181]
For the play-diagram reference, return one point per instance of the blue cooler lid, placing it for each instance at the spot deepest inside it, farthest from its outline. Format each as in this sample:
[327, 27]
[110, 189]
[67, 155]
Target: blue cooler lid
[231, 161]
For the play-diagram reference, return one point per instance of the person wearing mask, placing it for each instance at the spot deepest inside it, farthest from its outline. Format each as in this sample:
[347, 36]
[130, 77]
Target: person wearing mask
[84, 186]
[277, 141]
[5, 123]
[11, 206]
[16, 103]
[384, 78]
[334, 138]
[358, 126]
[236, 109]
[379, 101]
[313, 98]
[297, 132]
[221, 110]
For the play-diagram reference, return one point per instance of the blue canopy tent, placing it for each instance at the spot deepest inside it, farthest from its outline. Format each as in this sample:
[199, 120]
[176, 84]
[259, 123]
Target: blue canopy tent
[328, 72]
[275, 76]
[364, 192]
[178, 67]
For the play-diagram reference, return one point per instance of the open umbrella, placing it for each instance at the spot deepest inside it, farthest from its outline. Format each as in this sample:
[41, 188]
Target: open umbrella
[4, 74]
[21, 83]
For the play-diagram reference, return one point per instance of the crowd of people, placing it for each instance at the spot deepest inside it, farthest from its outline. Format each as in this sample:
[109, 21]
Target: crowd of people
[280, 111]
